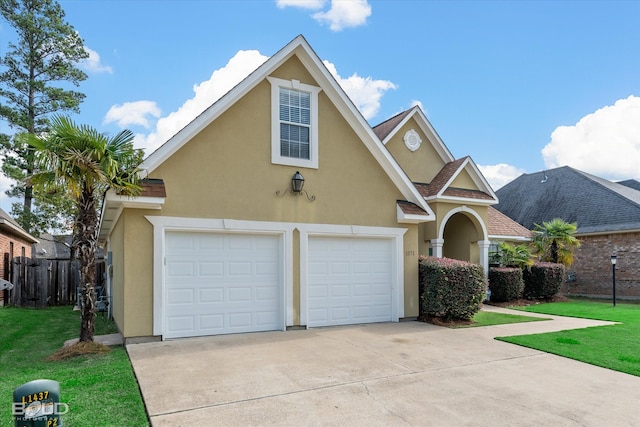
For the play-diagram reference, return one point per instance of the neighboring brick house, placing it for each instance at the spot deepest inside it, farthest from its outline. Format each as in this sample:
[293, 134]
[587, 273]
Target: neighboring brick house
[14, 241]
[608, 218]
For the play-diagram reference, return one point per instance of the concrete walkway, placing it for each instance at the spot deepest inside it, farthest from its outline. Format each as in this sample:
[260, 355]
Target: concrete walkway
[407, 373]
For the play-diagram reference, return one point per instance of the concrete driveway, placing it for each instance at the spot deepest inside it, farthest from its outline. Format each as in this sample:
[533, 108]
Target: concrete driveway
[407, 373]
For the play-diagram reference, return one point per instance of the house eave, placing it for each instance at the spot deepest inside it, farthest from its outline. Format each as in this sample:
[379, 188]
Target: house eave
[4, 224]
[509, 238]
[466, 201]
[605, 232]
[404, 218]
[113, 206]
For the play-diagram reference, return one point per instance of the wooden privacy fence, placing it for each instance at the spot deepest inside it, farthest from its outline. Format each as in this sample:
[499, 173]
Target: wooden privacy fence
[41, 282]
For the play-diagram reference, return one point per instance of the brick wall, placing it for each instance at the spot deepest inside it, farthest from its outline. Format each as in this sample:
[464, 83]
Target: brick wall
[592, 265]
[5, 248]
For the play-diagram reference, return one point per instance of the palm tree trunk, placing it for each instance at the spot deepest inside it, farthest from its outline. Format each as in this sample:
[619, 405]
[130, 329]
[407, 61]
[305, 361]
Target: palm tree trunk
[86, 229]
[554, 251]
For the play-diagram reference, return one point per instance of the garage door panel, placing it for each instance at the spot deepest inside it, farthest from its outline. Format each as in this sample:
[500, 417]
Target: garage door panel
[338, 291]
[207, 268]
[266, 317]
[211, 321]
[266, 294]
[349, 280]
[235, 282]
[180, 269]
[211, 295]
[181, 296]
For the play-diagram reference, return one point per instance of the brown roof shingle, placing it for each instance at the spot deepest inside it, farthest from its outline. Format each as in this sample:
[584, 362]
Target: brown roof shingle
[411, 208]
[501, 225]
[153, 188]
[384, 129]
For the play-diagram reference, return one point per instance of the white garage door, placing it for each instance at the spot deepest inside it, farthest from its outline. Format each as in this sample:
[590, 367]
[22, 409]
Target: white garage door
[349, 280]
[221, 284]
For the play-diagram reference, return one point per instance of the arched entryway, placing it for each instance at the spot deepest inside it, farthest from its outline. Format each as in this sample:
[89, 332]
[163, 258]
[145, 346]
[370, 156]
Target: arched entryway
[463, 235]
[460, 239]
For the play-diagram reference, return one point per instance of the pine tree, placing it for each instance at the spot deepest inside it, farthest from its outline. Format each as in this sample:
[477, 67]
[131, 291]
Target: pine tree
[36, 74]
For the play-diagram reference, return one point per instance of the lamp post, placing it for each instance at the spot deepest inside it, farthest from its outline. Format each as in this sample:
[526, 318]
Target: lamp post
[613, 266]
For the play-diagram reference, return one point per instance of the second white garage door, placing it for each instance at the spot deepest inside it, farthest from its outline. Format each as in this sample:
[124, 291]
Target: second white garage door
[349, 280]
[218, 283]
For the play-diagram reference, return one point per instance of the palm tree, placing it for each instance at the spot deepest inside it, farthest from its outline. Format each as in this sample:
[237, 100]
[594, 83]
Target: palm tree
[84, 163]
[513, 256]
[555, 241]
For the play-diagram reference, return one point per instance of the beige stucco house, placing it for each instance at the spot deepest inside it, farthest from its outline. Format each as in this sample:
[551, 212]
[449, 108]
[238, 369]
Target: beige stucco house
[223, 240]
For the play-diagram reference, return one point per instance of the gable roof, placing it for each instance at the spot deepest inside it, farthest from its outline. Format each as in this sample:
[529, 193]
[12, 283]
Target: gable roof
[300, 48]
[440, 187]
[387, 130]
[631, 183]
[501, 226]
[10, 226]
[595, 204]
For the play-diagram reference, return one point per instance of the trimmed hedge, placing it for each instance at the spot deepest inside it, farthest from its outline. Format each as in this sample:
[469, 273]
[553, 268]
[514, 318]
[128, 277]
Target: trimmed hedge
[543, 280]
[505, 283]
[450, 289]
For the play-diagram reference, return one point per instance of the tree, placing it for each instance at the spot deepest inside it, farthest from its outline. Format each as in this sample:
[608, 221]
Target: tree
[554, 241]
[509, 255]
[35, 70]
[83, 163]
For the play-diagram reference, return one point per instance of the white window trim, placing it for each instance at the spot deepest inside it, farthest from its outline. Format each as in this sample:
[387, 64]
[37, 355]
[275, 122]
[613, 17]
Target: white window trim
[276, 158]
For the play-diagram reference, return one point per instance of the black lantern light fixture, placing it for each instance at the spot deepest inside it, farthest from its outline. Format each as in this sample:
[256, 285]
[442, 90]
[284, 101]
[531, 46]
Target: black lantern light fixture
[614, 259]
[297, 184]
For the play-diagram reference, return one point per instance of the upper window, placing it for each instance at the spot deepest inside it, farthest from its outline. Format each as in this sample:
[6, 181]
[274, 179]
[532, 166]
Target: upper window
[295, 121]
[294, 136]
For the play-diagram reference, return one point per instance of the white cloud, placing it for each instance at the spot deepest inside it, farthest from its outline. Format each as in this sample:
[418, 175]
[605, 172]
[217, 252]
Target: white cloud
[93, 64]
[605, 143]
[365, 92]
[342, 13]
[418, 103]
[303, 4]
[206, 93]
[345, 14]
[132, 113]
[500, 174]
[6, 201]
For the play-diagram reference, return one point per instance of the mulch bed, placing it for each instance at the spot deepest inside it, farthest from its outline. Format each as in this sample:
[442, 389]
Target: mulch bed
[526, 302]
[79, 349]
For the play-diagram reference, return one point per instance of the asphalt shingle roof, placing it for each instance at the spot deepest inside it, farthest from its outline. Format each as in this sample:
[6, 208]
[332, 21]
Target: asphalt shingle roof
[383, 129]
[498, 224]
[595, 204]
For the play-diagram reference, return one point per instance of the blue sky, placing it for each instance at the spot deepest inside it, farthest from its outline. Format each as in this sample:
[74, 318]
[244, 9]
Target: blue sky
[520, 86]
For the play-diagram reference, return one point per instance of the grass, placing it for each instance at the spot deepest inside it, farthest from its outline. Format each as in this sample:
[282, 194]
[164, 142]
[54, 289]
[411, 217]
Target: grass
[486, 318]
[614, 347]
[100, 389]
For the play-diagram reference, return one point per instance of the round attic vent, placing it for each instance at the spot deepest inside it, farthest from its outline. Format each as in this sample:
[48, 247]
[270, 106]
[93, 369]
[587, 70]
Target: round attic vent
[412, 140]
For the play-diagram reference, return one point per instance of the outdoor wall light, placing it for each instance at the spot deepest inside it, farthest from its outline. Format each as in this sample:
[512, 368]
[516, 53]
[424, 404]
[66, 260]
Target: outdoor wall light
[297, 182]
[613, 266]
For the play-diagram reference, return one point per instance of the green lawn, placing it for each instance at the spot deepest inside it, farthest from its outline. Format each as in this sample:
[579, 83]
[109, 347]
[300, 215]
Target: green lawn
[615, 347]
[100, 390]
[487, 318]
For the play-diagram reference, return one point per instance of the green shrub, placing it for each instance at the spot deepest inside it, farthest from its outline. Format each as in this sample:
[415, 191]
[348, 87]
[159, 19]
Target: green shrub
[543, 280]
[505, 283]
[450, 289]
